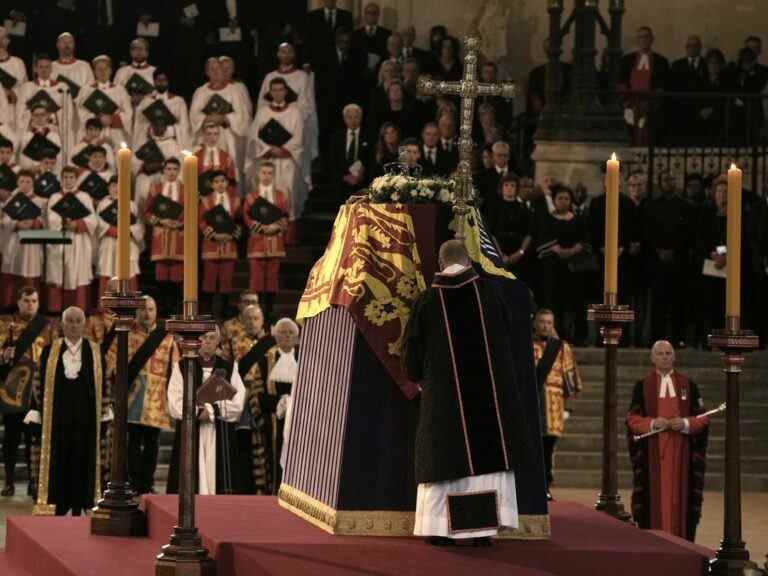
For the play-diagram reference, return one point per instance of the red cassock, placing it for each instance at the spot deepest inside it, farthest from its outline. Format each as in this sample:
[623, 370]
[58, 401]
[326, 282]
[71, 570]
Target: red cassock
[668, 453]
[167, 248]
[264, 251]
[210, 159]
[219, 257]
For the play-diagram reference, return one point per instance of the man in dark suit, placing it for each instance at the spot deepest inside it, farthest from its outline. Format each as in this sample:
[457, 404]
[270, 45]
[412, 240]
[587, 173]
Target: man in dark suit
[488, 180]
[448, 156]
[687, 74]
[643, 71]
[371, 41]
[351, 154]
[320, 30]
[430, 150]
[409, 50]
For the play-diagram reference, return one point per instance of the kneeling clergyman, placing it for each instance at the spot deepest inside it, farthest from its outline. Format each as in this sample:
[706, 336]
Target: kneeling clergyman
[217, 446]
[69, 409]
[471, 429]
[669, 466]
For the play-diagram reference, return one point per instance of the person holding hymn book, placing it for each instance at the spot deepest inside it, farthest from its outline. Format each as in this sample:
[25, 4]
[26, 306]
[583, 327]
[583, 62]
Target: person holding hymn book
[558, 380]
[92, 137]
[160, 143]
[7, 111]
[152, 353]
[164, 211]
[249, 348]
[23, 335]
[277, 135]
[68, 69]
[212, 158]
[220, 399]
[39, 139]
[668, 466]
[94, 179]
[280, 366]
[265, 213]
[162, 106]
[13, 72]
[70, 210]
[108, 102]
[222, 104]
[22, 263]
[67, 408]
[219, 217]
[106, 267]
[472, 430]
[47, 182]
[42, 91]
[138, 76]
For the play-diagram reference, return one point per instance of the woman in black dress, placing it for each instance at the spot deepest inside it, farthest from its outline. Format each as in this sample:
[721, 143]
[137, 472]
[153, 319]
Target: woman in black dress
[710, 240]
[562, 237]
[510, 223]
[387, 148]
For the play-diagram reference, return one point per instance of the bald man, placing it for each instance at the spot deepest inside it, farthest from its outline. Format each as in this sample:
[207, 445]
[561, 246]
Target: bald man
[669, 466]
[67, 405]
[472, 427]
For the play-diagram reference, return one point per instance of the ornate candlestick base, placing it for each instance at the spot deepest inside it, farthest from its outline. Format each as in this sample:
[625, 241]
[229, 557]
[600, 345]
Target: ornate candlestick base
[185, 555]
[732, 557]
[610, 317]
[117, 513]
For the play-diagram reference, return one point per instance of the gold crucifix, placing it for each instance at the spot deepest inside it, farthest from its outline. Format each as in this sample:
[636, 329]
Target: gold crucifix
[468, 88]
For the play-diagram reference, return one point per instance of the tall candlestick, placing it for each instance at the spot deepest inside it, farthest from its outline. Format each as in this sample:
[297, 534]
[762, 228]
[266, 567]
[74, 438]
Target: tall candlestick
[733, 254]
[189, 178]
[611, 285]
[124, 213]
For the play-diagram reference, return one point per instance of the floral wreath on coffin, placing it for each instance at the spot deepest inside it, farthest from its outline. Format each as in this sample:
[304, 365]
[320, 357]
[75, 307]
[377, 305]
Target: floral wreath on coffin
[406, 189]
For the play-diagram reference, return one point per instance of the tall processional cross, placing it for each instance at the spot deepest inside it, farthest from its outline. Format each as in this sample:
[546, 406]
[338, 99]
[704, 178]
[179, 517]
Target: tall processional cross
[468, 88]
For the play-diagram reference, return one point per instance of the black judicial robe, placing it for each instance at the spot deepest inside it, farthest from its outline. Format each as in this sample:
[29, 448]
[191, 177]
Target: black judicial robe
[71, 414]
[459, 346]
[226, 443]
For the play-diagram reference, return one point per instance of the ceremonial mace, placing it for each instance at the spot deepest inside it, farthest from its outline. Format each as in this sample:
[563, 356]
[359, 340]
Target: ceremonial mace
[718, 410]
[185, 554]
[117, 513]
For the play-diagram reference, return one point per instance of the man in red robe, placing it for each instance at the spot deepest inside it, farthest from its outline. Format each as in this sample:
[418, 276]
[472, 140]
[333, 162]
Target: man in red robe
[669, 466]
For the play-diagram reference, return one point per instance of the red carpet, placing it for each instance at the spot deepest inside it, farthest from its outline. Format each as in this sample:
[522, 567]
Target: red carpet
[253, 536]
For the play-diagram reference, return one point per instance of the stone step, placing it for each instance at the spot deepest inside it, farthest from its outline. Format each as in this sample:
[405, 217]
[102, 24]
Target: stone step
[594, 407]
[685, 358]
[581, 424]
[575, 442]
[750, 464]
[571, 478]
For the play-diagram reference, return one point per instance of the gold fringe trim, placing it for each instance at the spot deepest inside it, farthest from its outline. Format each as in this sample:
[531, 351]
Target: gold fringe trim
[386, 522]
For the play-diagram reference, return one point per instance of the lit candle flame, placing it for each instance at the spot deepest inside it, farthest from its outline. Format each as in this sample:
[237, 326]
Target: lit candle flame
[733, 166]
[613, 157]
[123, 146]
[186, 153]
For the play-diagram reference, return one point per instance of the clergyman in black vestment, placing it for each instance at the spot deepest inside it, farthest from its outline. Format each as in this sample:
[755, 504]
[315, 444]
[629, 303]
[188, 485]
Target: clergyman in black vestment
[67, 404]
[472, 429]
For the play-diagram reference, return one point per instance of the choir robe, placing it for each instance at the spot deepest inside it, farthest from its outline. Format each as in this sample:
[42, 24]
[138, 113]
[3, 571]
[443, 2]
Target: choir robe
[219, 257]
[177, 107]
[214, 472]
[288, 171]
[107, 235]
[79, 72]
[70, 411]
[171, 148]
[472, 430]
[237, 119]
[167, 248]
[22, 262]
[122, 119]
[557, 377]
[55, 90]
[51, 134]
[281, 369]
[235, 340]
[145, 70]
[264, 252]
[8, 132]
[78, 257]
[84, 143]
[218, 159]
[15, 67]
[7, 111]
[303, 84]
[668, 467]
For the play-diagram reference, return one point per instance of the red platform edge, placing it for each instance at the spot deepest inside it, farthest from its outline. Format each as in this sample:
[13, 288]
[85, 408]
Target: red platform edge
[252, 535]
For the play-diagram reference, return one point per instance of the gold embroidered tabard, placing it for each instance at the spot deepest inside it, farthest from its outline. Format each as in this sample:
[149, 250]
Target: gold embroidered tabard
[563, 367]
[42, 506]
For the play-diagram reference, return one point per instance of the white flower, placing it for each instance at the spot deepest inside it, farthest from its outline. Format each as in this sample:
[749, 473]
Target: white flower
[395, 197]
[414, 193]
[445, 196]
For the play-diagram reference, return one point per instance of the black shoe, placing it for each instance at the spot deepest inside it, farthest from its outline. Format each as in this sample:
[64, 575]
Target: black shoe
[440, 541]
[483, 542]
[9, 490]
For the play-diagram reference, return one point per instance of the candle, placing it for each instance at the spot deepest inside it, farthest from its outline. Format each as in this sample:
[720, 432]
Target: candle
[124, 213]
[189, 179]
[733, 253]
[611, 286]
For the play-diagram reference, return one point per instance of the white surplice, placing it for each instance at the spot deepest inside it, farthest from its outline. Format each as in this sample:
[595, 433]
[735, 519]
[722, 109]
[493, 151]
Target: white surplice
[116, 93]
[79, 72]
[288, 175]
[19, 259]
[286, 369]
[82, 144]
[177, 107]
[171, 148]
[107, 265]
[15, 67]
[51, 134]
[124, 73]
[79, 255]
[64, 119]
[303, 85]
[230, 411]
